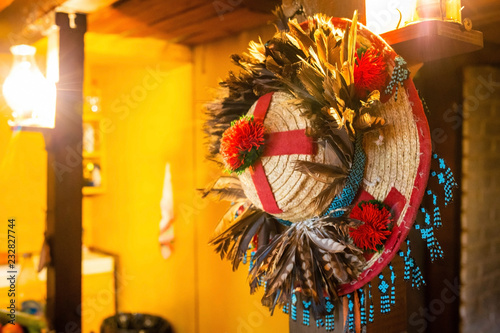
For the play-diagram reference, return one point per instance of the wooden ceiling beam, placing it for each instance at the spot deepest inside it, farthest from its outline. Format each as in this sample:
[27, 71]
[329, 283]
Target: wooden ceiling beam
[187, 22]
[24, 21]
[112, 21]
[234, 22]
[132, 18]
[194, 19]
[18, 21]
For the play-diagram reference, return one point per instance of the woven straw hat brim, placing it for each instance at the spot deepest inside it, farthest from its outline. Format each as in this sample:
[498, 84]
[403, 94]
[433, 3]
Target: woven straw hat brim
[397, 168]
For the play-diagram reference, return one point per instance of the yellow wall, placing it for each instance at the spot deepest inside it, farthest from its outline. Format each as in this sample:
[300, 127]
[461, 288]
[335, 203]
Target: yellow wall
[23, 178]
[147, 122]
[194, 289]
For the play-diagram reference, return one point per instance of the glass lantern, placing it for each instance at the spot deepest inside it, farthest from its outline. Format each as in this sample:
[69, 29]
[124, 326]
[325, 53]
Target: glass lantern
[27, 92]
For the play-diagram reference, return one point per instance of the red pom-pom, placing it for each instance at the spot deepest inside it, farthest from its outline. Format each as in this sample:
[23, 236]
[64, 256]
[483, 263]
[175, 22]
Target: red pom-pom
[370, 72]
[377, 220]
[242, 144]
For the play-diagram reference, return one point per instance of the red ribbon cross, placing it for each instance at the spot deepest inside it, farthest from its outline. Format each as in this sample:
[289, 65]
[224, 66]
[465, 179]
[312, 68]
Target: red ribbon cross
[277, 144]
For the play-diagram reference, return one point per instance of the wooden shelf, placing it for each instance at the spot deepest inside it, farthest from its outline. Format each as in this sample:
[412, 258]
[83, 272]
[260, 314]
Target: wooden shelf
[96, 156]
[92, 155]
[431, 40]
[92, 190]
[92, 116]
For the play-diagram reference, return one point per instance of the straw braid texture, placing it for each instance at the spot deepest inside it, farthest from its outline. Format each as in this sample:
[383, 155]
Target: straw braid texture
[394, 163]
[294, 191]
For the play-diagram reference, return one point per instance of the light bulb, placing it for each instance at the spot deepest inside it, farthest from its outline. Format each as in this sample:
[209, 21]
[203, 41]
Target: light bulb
[28, 93]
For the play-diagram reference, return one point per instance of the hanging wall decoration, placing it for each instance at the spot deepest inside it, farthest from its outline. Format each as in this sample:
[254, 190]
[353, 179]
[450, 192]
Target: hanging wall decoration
[166, 238]
[326, 152]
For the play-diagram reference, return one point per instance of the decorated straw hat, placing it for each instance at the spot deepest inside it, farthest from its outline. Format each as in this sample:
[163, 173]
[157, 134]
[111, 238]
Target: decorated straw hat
[326, 152]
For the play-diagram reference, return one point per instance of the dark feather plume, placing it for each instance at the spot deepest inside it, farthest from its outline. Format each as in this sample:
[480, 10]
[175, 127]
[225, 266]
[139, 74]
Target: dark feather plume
[314, 256]
[235, 234]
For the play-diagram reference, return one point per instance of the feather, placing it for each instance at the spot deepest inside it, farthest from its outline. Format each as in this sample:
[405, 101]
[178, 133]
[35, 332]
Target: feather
[226, 188]
[367, 122]
[227, 221]
[233, 235]
[283, 51]
[324, 173]
[315, 60]
[351, 49]
[326, 244]
[309, 286]
[297, 90]
[330, 87]
[277, 277]
[321, 47]
[302, 38]
[313, 256]
[282, 19]
[312, 82]
[333, 43]
[326, 195]
[338, 147]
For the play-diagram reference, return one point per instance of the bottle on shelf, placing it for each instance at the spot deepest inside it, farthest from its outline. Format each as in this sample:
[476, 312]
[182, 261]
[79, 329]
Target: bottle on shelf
[30, 289]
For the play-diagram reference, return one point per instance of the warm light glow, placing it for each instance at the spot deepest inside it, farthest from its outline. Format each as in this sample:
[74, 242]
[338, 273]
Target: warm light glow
[383, 15]
[454, 10]
[28, 93]
[446, 10]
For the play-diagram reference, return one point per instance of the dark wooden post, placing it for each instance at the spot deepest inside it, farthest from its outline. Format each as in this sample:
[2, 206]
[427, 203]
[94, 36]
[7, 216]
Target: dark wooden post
[64, 182]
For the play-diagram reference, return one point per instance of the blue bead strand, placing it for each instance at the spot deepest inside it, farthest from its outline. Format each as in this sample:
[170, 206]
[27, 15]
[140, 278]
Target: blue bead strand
[362, 304]
[329, 318]
[385, 302]
[350, 319]
[417, 279]
[411, 270]
[406, 259]
[399, 74]
[393, 285]
[294, 307]
[371, 311]
[427, 233]
[305, 313]
[252, 260]
[445, 177]
[436, 211]
[244, 258]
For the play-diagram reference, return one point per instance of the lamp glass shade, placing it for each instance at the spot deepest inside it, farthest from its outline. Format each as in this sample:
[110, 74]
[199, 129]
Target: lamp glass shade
[446, 10]
[384, 16]
[27, 92]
